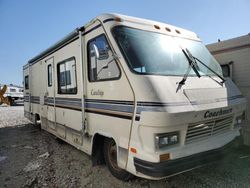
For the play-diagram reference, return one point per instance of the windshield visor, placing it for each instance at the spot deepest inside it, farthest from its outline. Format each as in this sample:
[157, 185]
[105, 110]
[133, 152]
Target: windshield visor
[154, 53]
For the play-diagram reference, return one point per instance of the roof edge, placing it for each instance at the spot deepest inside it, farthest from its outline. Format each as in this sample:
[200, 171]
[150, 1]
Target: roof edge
[57, 45]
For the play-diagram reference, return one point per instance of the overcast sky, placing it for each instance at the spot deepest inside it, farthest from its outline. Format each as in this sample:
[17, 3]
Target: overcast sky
[27, 27]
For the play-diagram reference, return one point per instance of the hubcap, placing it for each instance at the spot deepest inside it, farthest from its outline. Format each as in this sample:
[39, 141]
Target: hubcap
[112, 152]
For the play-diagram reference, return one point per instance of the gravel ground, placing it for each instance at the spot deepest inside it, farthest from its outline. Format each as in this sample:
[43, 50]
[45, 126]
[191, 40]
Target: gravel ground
[12, 116]
[33, 158]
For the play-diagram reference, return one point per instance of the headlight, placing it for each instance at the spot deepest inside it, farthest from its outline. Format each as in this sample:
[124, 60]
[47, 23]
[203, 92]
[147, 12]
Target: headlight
[238, 120]
[166, 139]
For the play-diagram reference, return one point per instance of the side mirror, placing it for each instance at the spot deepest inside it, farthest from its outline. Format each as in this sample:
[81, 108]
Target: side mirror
[101, 49]
[96, 51]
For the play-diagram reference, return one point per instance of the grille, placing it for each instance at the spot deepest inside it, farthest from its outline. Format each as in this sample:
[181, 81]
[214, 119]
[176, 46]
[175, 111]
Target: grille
[206, 129]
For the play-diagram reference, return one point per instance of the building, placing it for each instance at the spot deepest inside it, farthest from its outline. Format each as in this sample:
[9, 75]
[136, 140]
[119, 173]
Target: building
[234, 57]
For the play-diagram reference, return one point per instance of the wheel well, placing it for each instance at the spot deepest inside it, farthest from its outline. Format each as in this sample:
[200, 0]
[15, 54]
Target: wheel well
[37, 117]
[97, 150]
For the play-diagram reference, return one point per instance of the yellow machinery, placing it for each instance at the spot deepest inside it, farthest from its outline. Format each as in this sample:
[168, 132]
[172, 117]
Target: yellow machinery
[2, 98]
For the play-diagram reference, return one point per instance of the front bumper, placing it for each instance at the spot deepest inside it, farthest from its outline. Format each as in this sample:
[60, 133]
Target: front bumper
[171, 167]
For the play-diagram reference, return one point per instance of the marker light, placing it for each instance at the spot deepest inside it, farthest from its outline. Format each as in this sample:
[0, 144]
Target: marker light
[157, 27]
[133, 150]
[167, 29]
[118, 19]
[177, 31]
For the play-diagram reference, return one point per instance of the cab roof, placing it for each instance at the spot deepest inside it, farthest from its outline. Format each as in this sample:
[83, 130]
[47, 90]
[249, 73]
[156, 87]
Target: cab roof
[108, 17]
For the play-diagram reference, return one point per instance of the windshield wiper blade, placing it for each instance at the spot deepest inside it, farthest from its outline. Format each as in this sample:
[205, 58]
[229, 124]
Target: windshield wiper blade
[192, 64]
[223, 80]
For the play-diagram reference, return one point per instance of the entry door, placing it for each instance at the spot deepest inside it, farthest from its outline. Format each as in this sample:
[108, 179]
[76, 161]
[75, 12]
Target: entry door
[50, 94]
[27, 106]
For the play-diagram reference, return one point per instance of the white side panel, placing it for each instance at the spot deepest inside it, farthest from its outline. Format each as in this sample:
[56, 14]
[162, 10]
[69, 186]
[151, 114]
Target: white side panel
[69, 118]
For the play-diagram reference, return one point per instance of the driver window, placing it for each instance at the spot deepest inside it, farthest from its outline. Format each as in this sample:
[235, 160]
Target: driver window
[101, 63]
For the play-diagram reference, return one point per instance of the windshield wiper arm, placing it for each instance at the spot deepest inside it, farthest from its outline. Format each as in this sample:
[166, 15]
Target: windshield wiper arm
[192, 64]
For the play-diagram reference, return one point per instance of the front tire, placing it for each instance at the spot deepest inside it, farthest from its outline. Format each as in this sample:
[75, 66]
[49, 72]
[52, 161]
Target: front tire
[110, 156]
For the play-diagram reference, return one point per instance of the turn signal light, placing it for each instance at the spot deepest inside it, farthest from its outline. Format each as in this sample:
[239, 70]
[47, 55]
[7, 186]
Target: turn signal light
[164, 157]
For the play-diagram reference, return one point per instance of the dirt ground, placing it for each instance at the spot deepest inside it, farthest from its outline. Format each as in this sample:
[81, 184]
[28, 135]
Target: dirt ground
[33, 158]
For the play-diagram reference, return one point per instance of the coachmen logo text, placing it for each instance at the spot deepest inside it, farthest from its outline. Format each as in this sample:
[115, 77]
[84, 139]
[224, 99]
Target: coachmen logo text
[209, 114]
[97, 92]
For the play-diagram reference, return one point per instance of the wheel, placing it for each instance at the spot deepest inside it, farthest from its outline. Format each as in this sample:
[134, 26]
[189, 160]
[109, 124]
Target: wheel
[37, 122]
[110, 156]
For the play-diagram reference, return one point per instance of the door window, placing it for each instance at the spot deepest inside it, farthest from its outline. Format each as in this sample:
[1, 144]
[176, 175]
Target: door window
[49, 75]
[101, 62]
[67, 76]
[26, 82]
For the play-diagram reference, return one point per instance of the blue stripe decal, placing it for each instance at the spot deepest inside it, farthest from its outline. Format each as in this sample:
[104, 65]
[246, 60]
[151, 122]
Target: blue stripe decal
[109, 101]
[118, 106]
[67, 99]
[112, 107]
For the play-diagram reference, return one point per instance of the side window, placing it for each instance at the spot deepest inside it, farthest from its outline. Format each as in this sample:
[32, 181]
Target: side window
[225, 70]
[101, 63]
[49, 75]
[26, 82]
[66, 73]
[12, 90]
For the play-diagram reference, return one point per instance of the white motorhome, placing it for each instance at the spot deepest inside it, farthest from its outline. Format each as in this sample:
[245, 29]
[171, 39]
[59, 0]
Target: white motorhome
[145, 97]
[13, 93]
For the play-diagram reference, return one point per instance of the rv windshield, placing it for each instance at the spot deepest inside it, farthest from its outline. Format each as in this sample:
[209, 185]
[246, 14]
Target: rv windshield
[154, 53]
